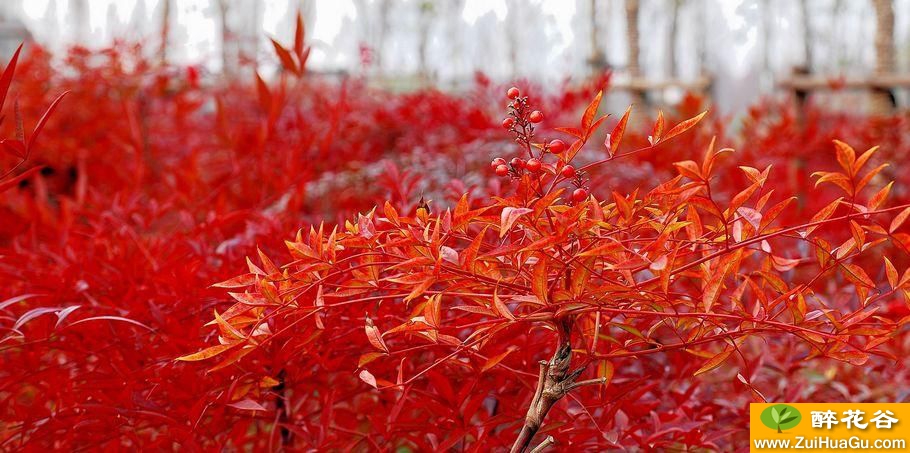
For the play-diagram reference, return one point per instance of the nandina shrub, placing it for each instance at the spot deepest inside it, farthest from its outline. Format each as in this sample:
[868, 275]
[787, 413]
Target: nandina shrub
[147, 185]
[551, 311]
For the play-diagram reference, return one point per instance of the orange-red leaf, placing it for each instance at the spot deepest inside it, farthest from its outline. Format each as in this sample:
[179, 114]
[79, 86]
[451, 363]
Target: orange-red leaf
[588, 118]
[374, 336]
[683, 126]
[615, 137]
[493, 361]
[509, 216]
[899, 220]
[209, 352]
[501, 308]
[846, 156]
[715, 361]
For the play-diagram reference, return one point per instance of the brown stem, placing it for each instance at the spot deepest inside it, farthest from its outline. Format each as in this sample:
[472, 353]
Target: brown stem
[543, 445]
[554, 382]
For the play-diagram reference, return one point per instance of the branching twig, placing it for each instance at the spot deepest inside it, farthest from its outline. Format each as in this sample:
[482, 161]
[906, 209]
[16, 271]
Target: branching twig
[543, 445]
[597, 381]
[555, 382]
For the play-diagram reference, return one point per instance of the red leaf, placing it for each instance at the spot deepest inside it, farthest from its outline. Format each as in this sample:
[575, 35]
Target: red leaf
[207, 353]
[41, 122]
[374, 336]
[112, 318]
[658, 129]
[615, 137]
[240, 281]
[509, 216]
[501, 308]
[7, 76]
[13, 182]
[588, 118]
[683, 126]
[714, 362]
[899, 220]
[265, 97]
[539, 280]
[846, 156]
[299, 34]
[287, 61]
[493, 361]
[14, 147]
[368, 377]
[891, 272]
[247, 405]
[16, 299]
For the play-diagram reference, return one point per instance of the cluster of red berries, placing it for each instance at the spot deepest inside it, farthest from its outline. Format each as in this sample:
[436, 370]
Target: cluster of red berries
[521, 122]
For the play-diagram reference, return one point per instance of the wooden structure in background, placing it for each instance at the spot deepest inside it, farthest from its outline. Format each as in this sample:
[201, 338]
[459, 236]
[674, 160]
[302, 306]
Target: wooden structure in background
[817, 83]
[633, 67]
[641, 84]
[883, 99]
[880, 84]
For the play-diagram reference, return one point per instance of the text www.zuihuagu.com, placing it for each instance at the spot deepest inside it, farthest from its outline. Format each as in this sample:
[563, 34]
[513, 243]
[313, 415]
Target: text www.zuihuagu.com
[829, 442]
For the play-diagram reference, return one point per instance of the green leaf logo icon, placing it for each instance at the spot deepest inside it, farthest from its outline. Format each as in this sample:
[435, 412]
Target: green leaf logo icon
[780, 417]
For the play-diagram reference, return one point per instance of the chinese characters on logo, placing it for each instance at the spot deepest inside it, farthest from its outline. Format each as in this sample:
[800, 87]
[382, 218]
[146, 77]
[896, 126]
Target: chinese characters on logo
[852, 419]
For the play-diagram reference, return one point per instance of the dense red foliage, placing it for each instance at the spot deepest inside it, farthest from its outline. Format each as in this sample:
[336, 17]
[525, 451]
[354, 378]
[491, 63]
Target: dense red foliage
[147, 186]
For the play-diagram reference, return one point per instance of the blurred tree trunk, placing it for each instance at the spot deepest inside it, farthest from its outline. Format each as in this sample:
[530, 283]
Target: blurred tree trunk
[228, 64]
[838, 19]
[165, 30]
[364, 28]
[806, 25]
[634, 68]
[513, 27]
[252, 34]
[425, 19]
[598, 59]
[80, 20]
[702, 38]
[673, 66]
[767, 72]
[385, 7]
[453, 23]
[139, 20]
[883, 99]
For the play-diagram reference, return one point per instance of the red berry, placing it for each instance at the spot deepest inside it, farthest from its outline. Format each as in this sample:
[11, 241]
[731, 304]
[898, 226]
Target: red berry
[556, 146]
[497, 162]
[579, 195]
[517, 163]
[513, 93]
[502, 170]
[533, 165]
[568, 172]
[508, 123]
[536, 116]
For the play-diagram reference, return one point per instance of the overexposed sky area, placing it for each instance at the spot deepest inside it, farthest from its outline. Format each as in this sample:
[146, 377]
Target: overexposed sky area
[200, 43]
